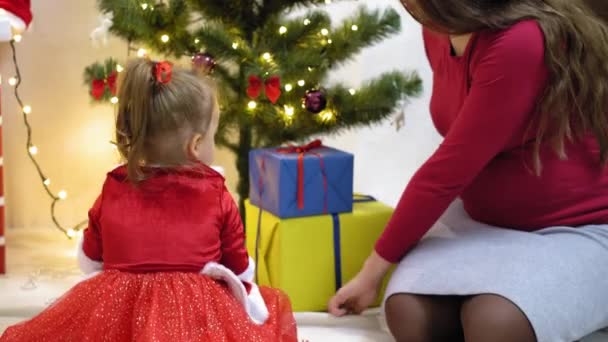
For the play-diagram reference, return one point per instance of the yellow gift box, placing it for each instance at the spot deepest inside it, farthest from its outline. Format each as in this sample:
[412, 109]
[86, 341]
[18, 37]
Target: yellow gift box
[297, 255]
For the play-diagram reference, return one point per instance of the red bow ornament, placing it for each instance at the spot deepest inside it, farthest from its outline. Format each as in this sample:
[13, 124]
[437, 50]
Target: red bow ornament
[98, 87]
[272, 88]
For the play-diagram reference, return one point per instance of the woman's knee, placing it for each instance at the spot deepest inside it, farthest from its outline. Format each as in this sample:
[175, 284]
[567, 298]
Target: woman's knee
[417, 318]
[494, 318]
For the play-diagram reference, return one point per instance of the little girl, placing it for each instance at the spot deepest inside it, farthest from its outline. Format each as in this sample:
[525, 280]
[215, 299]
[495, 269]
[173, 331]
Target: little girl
[164, 249]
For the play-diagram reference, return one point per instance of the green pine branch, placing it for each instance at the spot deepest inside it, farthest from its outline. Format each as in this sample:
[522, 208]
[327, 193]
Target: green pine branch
[372, 26]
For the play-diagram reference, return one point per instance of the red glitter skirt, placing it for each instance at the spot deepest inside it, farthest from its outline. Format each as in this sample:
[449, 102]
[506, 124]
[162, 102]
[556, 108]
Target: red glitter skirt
[117, 306]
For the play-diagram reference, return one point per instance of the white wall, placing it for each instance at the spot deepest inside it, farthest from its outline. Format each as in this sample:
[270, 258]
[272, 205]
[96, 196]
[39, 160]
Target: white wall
[385, 159]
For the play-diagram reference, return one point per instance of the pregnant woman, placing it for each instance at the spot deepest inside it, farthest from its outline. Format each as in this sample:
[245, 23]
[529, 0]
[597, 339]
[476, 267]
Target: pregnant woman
[513, 205]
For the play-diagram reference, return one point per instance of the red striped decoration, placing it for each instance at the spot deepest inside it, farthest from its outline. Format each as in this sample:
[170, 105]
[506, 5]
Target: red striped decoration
[2, 221]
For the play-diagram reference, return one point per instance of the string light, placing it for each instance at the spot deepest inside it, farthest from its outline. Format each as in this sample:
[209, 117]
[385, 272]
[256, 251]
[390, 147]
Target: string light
[329, 41]
[119, 68]
[12, 81]
[33, 150]
[352, 91]
[267, 56]
[71, 233]
[196, 41]
[235, 45]
[164, 38]
[328, 2]
[354, 28]
[144, 6]
[17, 38]
[141, 52]
[325, 32]
[252, 105]
[301, 83]
[306, 22]
[289, 110]
[114, 100]
[327, 115]
[283, 30]
[288, 87]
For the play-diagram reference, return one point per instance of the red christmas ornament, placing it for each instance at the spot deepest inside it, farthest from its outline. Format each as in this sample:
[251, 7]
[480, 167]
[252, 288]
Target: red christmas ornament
[203, 62]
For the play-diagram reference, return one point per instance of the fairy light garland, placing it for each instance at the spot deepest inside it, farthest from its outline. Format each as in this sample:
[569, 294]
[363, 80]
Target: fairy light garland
[32, 150]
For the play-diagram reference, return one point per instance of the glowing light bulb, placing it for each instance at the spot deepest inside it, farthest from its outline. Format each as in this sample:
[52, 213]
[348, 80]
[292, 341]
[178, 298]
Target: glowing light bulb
[47, 182]
[289, 110]
[164, 38]
[13, 81]
[196, 41]
[119, 68]
[27, 109]
[235, 45]
[114, 100]
[141, 52]
[329, 41]
[301, 83]
[288, 87]
[352, 91]
[327, 115]
[267, 56]
[71, 233]
[252, 105]
[17, 38]
[144, 6]
[33, 150]
[282, 30]
[325, 32]
[354, 28]
[62, 194]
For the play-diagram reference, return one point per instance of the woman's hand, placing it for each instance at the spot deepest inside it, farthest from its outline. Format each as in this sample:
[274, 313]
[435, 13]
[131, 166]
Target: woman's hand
[361, 292]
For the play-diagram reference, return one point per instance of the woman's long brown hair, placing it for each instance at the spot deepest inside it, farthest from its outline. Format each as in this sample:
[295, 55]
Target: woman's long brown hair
[575, 101]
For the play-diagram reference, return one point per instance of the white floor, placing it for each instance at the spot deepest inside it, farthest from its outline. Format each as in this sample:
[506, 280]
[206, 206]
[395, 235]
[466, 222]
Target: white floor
[41, 267]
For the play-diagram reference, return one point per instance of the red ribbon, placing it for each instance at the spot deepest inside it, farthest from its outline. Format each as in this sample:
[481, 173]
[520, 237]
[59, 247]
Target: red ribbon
[98, 87]
[302, 151]
[272, 87]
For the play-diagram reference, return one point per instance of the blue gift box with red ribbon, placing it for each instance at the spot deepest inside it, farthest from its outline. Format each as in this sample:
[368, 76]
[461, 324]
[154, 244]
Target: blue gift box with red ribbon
[298, 181]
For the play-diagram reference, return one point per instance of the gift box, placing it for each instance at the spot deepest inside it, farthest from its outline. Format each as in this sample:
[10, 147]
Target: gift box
[301, 180]
[311, 257]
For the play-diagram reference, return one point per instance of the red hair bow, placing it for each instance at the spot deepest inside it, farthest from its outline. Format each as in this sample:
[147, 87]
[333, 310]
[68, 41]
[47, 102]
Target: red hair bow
[98, 87]
[272, 87]
[163, 71]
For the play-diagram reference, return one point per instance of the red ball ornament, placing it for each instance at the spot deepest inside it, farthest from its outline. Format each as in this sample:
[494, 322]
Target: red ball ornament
[315, 101]
[203, 62]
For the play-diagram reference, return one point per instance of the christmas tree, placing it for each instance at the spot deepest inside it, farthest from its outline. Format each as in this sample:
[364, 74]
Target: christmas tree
[271, 68]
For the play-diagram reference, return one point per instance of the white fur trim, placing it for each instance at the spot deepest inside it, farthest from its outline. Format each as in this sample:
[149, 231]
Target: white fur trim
[87, 265]
[257, 307]
[249, 273]
[253, 303]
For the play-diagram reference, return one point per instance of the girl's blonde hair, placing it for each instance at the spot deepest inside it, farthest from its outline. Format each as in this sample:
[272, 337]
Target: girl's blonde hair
[155, 118]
